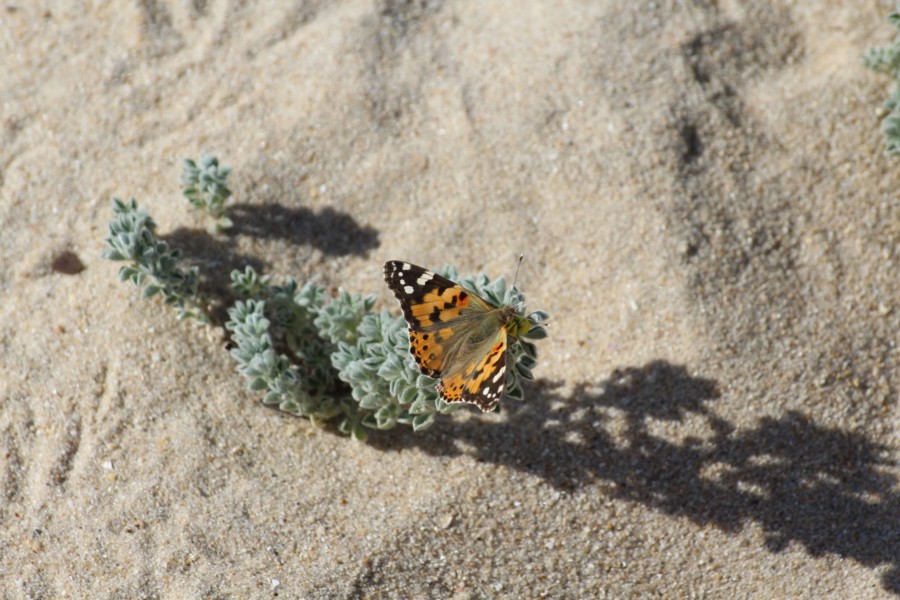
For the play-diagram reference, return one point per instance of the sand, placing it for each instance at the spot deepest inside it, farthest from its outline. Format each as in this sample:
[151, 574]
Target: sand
[707, 215]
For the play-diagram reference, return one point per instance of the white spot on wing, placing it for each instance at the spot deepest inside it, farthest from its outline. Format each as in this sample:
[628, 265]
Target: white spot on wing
[499, 375]
[425, 278]
[408, 289]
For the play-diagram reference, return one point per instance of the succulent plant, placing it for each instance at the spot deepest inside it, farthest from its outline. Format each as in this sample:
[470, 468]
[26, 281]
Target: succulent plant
[152, 265]
[205, 187]
[310, 354]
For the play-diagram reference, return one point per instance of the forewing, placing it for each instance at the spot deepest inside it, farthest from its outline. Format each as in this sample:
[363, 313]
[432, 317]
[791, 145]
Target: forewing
[429, 302]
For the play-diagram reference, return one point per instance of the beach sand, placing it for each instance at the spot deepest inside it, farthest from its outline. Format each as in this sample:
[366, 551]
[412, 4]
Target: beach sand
[706, 212]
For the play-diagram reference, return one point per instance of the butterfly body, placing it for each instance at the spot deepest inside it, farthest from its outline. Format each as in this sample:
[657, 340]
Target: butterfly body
[455, 335]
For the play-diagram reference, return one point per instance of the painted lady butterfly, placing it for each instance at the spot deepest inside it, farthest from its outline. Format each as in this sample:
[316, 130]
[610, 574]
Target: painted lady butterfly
[455, 335]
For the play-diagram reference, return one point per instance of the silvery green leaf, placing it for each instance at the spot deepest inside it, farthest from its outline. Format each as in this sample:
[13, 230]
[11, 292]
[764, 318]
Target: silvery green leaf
[528, 348]
[527, 361]
[524, 372]
[538, 316]
[422, 422]
[516, 393]
[370, 401]
[535, 333]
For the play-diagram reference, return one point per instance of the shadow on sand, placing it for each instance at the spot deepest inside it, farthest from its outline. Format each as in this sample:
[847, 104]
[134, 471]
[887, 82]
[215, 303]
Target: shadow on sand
[829, 490]
[333, 233]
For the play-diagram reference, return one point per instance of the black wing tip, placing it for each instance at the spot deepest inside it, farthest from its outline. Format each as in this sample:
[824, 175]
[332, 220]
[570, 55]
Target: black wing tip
[392, 267]
[397, 264]
[389, 268]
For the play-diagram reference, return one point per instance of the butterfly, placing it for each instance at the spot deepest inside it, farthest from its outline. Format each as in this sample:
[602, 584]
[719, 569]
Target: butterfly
[455, 335]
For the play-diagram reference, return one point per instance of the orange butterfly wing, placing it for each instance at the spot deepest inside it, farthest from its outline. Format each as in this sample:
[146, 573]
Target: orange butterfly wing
[454, 335]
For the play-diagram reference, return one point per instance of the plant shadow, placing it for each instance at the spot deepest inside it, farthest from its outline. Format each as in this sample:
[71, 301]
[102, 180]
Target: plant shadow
[332, 232]
[830, 490]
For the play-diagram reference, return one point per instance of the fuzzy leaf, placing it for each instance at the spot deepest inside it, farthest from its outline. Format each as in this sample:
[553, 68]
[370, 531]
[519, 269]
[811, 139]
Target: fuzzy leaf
[258, 384]
[515, 393]
[422, 422]
[535, 333]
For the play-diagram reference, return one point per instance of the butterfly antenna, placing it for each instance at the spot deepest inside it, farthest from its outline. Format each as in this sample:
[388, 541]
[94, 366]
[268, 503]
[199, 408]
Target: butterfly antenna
[518, 266]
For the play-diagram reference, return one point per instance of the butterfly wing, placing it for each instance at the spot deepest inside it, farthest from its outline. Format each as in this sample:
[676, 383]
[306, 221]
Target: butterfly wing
[429, 301]
[481, 377]
[454, 335]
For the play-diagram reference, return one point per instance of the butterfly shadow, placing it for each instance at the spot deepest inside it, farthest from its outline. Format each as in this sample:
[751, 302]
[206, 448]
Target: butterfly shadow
[831, 491]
